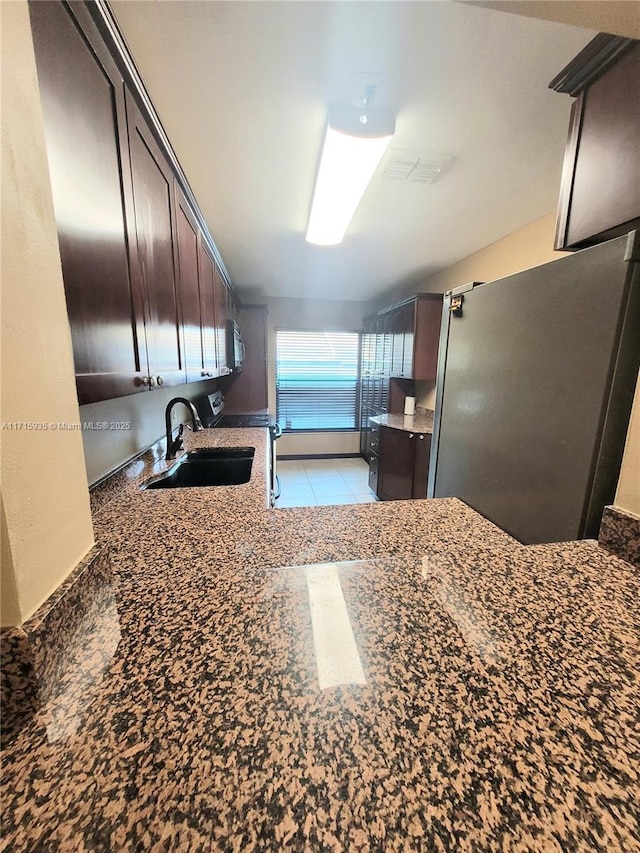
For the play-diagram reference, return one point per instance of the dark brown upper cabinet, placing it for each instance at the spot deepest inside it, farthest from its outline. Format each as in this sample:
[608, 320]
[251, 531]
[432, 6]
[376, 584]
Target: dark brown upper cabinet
[415, 337]
[423, 355]
[188, 245]
[399, 343]
[208, 308]
[600, 187]
[247, 391]
[152, 243]
[142, 276]
[222, 304]
[83, 104]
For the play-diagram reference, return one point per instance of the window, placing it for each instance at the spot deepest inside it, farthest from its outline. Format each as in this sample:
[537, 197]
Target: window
[317, 380]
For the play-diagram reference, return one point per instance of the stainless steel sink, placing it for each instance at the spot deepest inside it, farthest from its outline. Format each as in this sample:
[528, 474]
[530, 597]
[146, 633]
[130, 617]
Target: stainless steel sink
[208, 466]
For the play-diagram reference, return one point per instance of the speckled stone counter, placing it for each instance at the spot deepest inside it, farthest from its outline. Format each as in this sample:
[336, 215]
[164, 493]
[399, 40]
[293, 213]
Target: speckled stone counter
[499, 709]
[422, 421]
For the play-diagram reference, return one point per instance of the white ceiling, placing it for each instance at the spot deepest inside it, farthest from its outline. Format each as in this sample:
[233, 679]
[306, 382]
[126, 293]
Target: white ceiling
[243, 89]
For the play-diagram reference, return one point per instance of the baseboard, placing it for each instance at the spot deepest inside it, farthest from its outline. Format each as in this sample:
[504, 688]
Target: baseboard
[294, 456]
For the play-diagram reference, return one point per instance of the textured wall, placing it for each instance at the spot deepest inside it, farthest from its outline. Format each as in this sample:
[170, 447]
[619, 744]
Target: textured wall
[628, 494]
[44, 486]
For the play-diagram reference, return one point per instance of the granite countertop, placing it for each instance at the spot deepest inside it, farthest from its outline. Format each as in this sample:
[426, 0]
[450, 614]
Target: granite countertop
[422, 421]
[495, 709]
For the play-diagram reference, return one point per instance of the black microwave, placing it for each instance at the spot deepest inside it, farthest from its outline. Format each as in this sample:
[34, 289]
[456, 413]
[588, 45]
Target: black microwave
[235, 347]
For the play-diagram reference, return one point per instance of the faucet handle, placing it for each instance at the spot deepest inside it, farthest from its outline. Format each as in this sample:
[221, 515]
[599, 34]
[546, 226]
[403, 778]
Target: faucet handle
[178, 443]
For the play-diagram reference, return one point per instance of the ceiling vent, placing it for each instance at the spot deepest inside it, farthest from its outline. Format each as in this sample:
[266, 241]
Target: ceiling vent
[415, 166]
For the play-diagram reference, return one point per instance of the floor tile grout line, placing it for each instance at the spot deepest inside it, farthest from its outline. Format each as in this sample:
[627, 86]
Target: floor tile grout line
[327, 484]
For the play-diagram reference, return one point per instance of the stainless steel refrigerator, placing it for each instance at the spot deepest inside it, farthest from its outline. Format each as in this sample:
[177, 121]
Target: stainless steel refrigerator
[536, 378]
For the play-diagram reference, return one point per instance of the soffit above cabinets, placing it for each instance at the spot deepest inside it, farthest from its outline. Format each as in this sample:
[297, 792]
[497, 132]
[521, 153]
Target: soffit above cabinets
[243, 91]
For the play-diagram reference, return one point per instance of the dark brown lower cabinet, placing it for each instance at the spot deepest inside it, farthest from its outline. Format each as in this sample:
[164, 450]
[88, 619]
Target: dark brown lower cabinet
[403, 464]
[374, 463]
[372, 448]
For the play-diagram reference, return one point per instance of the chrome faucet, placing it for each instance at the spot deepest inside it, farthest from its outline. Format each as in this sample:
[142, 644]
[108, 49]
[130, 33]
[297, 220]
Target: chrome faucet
[173, 446]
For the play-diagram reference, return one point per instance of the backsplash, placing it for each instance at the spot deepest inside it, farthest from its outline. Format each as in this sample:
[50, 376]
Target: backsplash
[52, 664]
[133, 423]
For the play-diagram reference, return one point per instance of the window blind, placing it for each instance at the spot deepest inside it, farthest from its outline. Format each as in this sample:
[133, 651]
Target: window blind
[317, 381]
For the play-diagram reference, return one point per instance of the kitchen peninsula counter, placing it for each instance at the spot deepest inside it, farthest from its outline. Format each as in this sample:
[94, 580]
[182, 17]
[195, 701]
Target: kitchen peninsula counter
[497, 711]
[422, 421]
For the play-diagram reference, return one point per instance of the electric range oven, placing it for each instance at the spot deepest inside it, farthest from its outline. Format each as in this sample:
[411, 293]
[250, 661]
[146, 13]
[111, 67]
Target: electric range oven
[211, 410]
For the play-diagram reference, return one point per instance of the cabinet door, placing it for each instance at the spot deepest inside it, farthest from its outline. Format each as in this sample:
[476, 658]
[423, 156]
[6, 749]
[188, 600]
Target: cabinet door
[364, 439]
[387, 343]
[397, 336]
[82, 94]
[188, 284]
[427, 337]
[374, 462]
[366, 352]
[602, 158]
[377, 397]
[222, 315]
[152, 249]
[422, 451]
[208, 311]
[374, 439]
[378, 350]
[396, 464]
[247, 391]
[407, 323]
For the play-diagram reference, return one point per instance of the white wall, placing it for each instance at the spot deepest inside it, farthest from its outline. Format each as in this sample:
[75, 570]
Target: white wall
[527, 247]
[46, 518]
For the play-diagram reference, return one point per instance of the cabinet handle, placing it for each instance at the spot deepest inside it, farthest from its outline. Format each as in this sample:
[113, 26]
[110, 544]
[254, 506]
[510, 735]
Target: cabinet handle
[410, 435]
[160, 381]
[421, 438]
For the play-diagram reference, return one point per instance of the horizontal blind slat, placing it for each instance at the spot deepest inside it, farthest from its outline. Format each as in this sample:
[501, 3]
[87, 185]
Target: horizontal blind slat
[317, 380]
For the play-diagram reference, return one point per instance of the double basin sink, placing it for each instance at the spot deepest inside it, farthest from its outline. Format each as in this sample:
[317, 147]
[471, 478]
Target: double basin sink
[208, 466]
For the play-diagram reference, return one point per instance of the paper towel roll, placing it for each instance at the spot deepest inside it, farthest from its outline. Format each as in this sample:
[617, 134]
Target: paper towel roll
[409, 405]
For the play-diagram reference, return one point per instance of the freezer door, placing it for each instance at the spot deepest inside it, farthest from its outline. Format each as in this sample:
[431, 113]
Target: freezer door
[535, 389]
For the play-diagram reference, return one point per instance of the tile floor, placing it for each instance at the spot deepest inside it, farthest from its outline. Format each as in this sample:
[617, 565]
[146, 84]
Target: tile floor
[319, 482]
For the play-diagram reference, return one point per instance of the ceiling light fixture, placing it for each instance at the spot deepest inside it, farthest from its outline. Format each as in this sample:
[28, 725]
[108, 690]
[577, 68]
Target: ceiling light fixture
[354, 145]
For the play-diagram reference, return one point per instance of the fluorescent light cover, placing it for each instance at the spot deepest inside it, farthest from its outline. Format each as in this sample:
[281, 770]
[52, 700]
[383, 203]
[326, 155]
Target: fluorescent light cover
[346, 167]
